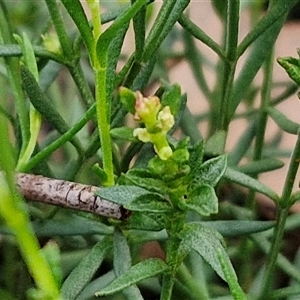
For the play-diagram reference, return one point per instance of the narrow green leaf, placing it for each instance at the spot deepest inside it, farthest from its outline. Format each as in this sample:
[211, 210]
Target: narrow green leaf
[143, 270]
[215, 145]
[292, 67]
[139, 27]
[60, 28]
[249, 182]
[242, 145]
[167, 17]
[260, 166]
[261, 49]
[295, 197]
[238, 228]
[99, 172]
[128, 99]
[122, 263]
[10, 50]
[73, 225]
[85, 270]
[199, 34]
[220, 7]
[124, 194]
[203, 200]
[204, 240]
[123, 133]
[113, 58]
[107, 36]
[277, 11]
[122, 258]
[76, 12]
[235, 288]
[52, 254]
[211, 171]
[44, 106]
[282, 121]
[171, 97]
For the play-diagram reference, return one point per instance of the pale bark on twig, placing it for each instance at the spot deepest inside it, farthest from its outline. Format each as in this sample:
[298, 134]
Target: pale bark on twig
[67, 194]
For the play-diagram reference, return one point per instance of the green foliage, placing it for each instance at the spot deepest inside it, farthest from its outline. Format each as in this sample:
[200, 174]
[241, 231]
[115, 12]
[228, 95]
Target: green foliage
[67, 92]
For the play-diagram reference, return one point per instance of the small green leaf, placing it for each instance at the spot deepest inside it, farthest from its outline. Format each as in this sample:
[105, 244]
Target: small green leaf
[123, 133]
[76, 12]
[282, 121]
[128, 99]
[85, 270]
[203, 200]
[122, 263]
[249, 182]
[295, 197]
[145, 221]
[100, 172]
[172, 98]
[124, 194]
[215, 145]
[205, 241]
[231, 278]
[292, 67]
[52, 254]
[107, 36]
[148, 203]
[211, 171]
[196, 157]
[44, 106]
[143, 270]
[141, 178]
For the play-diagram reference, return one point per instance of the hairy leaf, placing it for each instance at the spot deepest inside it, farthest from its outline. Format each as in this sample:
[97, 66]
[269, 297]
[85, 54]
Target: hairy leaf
[145, 269]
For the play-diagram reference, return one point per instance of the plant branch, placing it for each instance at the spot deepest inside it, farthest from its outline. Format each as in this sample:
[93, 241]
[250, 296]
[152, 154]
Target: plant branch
[230, 62]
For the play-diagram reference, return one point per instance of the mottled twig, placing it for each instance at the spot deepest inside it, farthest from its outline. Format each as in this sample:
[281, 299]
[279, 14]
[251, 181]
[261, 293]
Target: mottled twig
[67, 194]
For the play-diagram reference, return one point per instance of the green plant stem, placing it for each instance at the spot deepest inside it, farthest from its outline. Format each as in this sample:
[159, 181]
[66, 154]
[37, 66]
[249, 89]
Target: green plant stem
[262, 120]
[196, 59]
[174, 225]
[276, 12]
[15, 214]
[275, 249]
[65, 42]
[14, 75]
[199, 34]
[82, 84]
[96, 18]
[39, 157]
[18, 221]
[283, 210]
[197, 289]
[167, 287]
[291, 175]
[230, 62]
[104, 124]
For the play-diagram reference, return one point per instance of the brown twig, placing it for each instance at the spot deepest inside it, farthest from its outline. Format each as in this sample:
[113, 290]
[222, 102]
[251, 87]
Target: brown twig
[67, 194]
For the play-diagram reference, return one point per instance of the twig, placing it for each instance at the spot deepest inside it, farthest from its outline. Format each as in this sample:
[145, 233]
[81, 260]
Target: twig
[67, 194]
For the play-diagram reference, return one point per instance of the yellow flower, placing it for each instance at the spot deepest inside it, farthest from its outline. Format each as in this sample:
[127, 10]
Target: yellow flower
[146, 109]
[51, 43]
[165, 119]
[164, 153]
[142, 134]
